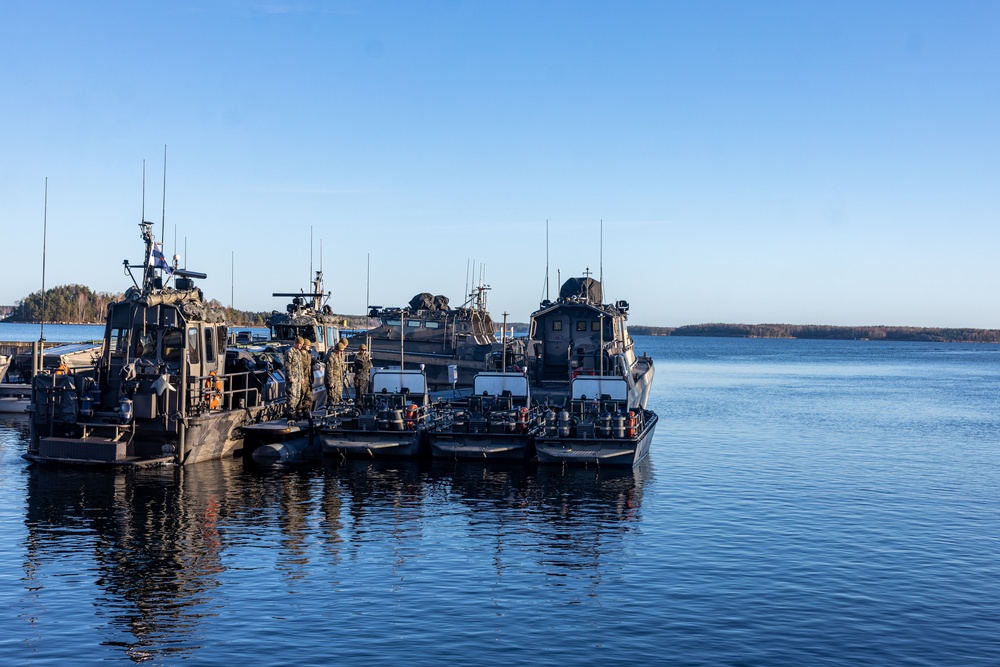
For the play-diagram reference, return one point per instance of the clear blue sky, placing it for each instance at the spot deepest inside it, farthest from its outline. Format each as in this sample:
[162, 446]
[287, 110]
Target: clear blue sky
[797, 162]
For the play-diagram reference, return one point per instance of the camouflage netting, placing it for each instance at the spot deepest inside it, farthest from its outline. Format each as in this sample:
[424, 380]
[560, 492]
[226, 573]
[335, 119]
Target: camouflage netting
[203, 312]
[165, 297]
[425, 301]
[303, 319]
[584, 288]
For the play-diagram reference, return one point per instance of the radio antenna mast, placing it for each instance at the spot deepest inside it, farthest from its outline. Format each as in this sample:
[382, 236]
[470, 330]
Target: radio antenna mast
[546, 260]
[163, 214]
[45, 229]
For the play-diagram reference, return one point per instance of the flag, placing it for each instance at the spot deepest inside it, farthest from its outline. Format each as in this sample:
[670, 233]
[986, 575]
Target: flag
[158, 261]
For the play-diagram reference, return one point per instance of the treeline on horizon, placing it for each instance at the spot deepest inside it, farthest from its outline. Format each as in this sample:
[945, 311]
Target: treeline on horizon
[827, 332]
[78, 304]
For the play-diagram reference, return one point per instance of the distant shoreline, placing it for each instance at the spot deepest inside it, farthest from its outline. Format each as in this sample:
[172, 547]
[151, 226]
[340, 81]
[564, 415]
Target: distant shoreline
[826, 332]
[795, 331]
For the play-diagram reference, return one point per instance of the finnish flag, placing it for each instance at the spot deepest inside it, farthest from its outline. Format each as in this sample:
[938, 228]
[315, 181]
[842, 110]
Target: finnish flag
[158, 261]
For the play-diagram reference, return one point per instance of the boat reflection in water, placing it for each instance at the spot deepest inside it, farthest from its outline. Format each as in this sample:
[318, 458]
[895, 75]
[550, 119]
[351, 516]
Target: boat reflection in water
[163, 562]
[149, 538]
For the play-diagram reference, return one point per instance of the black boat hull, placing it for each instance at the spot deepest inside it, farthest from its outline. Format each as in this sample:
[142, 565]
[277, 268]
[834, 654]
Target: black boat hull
[597, 451]
[480, 446]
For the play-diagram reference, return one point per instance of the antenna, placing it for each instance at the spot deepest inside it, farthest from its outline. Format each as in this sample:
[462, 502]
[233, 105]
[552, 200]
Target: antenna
[368, 283]
[163, 214]
[232, 278]
[467, 261]
[601, 267]
[310, 255]
[45, 230]
[546, 260]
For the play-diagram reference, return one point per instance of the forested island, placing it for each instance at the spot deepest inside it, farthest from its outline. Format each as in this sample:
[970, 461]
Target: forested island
[77, 304]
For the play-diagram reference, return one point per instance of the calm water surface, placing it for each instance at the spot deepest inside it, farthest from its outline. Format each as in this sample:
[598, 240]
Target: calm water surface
[805, 502]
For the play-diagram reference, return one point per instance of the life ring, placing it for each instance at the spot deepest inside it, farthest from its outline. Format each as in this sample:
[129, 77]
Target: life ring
[213, 391]
[411, 416]
[62, 370]
[630, 424]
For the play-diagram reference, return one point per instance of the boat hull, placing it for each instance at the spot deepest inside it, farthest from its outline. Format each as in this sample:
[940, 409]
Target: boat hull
[214, 435]
[597, 451]
[489, 446]
[370, 444]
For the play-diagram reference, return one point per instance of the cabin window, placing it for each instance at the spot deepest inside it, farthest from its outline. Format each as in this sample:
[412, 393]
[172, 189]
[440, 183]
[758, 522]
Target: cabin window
[413, 324]
[595, 326]
[331, 337]
[119, 342]
[581, 325]
[209, 344]
[432, 325]
[221, 340]
[173, 342]
[192, 345]
[557, 325]
[393, 323]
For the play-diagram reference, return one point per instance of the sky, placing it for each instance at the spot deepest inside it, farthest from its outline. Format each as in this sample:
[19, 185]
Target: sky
[757, 162]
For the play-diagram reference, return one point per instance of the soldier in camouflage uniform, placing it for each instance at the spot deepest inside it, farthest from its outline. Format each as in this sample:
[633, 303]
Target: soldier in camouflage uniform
[306, 400]
[293, 379]
[362, 366]
[334, 379]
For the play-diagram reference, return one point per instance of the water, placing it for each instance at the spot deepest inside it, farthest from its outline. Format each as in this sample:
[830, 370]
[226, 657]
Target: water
[805, 502]
[54, 333]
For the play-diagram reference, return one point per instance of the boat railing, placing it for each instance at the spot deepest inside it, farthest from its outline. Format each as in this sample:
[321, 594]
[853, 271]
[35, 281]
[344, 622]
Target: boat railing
[223, 392]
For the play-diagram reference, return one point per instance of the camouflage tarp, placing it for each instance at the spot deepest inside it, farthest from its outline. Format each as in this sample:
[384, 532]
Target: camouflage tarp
[425, 301]
[584, 288]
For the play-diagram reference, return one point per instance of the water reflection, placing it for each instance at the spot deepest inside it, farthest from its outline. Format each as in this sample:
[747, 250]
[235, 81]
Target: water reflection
[156, 546]
[149, 538]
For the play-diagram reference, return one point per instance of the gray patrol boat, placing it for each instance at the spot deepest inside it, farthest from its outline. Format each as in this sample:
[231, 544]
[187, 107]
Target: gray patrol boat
[165, 389]
[584, 369]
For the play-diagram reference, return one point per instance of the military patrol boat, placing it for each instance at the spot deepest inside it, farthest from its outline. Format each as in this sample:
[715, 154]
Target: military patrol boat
[583, 367]
[165, 389]
[309, 316]
[429, 334]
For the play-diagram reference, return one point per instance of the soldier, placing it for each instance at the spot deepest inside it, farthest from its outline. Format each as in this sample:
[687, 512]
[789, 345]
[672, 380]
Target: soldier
[335, 373]
[306, 400]
[293, 379]
[362, 365]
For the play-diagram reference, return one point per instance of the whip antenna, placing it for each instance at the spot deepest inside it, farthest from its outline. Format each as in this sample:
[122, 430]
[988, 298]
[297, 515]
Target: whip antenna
[163, 213]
